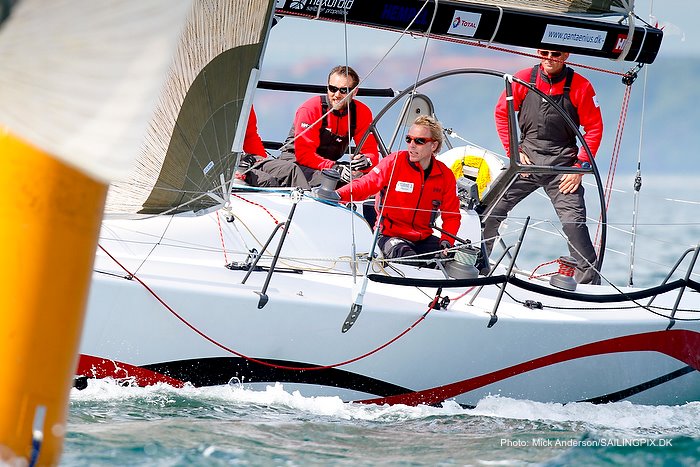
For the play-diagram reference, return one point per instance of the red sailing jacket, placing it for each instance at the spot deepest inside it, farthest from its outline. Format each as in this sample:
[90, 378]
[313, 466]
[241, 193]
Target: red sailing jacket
[307, 142]
[582, 96]
[408, 198]
[252, 143]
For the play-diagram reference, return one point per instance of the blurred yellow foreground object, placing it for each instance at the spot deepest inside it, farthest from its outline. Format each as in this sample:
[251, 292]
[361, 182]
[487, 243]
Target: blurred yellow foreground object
[50, 218]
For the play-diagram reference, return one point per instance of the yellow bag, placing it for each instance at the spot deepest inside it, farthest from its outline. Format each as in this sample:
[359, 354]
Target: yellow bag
[483, 176]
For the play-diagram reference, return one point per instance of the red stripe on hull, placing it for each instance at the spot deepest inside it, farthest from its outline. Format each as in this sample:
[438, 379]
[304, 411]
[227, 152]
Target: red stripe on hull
[96, 367]
[682, 345]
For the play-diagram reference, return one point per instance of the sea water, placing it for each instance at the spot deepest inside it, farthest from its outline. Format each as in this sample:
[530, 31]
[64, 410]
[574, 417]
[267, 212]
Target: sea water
[113, 425]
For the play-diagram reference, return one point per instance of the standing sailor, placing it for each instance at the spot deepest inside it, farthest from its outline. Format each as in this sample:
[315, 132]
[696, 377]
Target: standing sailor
[547, 139]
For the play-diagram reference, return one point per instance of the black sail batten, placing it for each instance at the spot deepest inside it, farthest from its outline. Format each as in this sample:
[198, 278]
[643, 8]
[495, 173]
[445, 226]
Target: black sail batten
[567, 28]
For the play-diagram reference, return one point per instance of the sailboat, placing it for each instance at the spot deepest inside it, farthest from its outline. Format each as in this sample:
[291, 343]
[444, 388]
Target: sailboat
[199, 281]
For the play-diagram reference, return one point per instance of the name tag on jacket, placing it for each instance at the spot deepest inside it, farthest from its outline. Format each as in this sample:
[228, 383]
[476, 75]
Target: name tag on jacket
[404, 187]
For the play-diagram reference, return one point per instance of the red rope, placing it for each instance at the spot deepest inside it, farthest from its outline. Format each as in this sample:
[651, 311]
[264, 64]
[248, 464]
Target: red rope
[532, 274]
[221, 235]
[614, 157]
[565, 269]
[463, 294]
[255, 360]
[257, 204]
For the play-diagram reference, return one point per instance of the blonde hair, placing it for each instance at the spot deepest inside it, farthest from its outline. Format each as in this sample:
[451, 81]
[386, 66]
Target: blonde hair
[434, 126]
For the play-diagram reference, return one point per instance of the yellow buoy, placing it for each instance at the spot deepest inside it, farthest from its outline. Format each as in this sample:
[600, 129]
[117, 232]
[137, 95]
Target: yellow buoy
[50, 218]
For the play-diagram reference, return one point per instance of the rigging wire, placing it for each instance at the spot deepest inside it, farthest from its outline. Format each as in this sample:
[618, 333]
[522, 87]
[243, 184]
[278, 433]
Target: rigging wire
[353, 240]
[638, 174]
[357, 303]
[628, 79]
[651, 309]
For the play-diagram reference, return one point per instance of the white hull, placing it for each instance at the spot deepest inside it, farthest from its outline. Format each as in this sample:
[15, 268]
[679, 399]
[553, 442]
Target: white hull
[189, 319]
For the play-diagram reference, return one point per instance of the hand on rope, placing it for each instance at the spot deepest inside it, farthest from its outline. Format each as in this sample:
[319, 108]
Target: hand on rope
[445, 246]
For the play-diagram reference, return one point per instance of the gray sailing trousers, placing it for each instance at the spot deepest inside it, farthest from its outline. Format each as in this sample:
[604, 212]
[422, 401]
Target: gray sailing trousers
[277, 172]
[570, 208]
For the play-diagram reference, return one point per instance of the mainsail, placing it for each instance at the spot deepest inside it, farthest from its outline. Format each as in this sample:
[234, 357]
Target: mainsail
[598, 28]
[188, 146]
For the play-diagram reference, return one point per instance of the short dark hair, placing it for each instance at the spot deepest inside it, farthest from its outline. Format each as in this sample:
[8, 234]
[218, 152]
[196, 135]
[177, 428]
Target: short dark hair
[345, 71]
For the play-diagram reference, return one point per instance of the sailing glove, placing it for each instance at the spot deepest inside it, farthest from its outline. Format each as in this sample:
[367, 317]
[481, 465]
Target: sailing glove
[444, 245]
[344, 170]
[360, 162]
[247, 161]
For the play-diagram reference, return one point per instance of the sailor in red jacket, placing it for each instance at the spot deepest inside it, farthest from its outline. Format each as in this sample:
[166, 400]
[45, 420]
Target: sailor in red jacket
[546, 139]
[317, 141]
[411, 184]
[252, 143]
[253, 149]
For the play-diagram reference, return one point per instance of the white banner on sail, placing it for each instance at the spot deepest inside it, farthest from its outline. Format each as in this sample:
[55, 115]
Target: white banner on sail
[79, 78]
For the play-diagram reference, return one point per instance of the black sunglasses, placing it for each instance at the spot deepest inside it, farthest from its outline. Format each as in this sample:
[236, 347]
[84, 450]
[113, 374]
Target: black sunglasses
[547, 53]
[419, 141]
[332, 89]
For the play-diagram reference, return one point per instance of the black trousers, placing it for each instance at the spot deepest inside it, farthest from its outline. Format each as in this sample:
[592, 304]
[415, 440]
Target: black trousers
[284, 171]
[570, 208]
[397, 247]
[277, 172]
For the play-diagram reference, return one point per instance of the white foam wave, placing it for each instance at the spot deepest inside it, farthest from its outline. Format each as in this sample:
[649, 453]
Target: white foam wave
[625, 418]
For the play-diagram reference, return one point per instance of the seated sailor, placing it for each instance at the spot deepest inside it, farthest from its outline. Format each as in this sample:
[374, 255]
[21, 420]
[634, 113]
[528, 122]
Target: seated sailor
[411, 185]
[317, 141]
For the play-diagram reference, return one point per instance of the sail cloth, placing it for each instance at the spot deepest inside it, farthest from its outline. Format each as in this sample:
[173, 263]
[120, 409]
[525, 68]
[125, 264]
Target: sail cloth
[598, 28]
[79, 78]
[188, 143]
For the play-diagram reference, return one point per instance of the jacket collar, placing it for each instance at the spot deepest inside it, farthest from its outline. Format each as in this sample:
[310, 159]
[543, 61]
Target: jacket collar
[554, 78]
[433, 166]
[337, 113]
